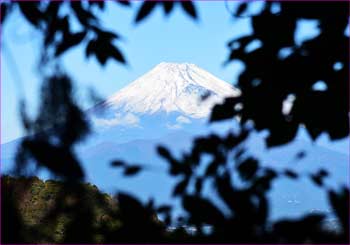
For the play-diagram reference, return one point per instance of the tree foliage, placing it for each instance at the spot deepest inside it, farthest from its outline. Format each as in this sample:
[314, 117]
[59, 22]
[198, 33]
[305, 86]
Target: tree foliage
[58, 36]
[240, 183]
[270, 77]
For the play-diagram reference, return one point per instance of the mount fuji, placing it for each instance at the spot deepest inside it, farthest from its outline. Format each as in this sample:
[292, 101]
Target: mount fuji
[170, 105]
[170, 97]
[171, 87]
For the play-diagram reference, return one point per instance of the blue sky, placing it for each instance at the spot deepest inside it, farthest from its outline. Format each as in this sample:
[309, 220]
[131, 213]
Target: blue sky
[174, 39]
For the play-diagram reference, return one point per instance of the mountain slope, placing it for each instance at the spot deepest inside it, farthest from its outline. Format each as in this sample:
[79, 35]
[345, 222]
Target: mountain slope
[168, 88]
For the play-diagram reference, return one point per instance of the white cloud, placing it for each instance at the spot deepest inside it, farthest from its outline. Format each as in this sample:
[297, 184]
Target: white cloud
[128, 119]
[173, 126]
[183, 120]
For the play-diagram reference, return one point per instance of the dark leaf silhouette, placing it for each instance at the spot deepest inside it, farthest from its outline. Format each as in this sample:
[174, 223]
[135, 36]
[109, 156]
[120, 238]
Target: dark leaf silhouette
[164, 209]
[59, 160]
[84, 16]
[59, 119]
[70, 40]
[59, 25]
[145, 10]
[224, 111]
[90, 48]
[116, 54]
[176, 168]
[291, 174]
[282, 134]
[340, 204]
[300, 155]
[31, 12]
[124, 3]
[189, 8]
[241, 9]
[4, 10]
[106, 35]
[248, 168]
[318, 177]
[323, 173]
[168, 6]
[103, 49]
[132, 170]
[198, 185]
[202, 211]
[118, 163]
[162, 151]
[180, 188]
[297, 230]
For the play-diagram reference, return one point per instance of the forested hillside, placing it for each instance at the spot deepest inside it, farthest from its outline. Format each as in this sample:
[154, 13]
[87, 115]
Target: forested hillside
[36, 200]
[37, 211]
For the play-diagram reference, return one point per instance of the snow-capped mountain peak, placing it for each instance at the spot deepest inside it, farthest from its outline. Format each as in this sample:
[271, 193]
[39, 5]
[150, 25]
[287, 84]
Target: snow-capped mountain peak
[171, 87]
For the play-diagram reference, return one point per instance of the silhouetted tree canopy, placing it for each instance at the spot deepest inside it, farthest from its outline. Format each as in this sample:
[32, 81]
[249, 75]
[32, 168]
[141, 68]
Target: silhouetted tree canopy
[270, 77]
[270, 80]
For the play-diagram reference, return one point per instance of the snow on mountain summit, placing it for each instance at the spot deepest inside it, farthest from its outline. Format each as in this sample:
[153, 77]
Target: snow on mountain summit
[172, 87]
[168, 87]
